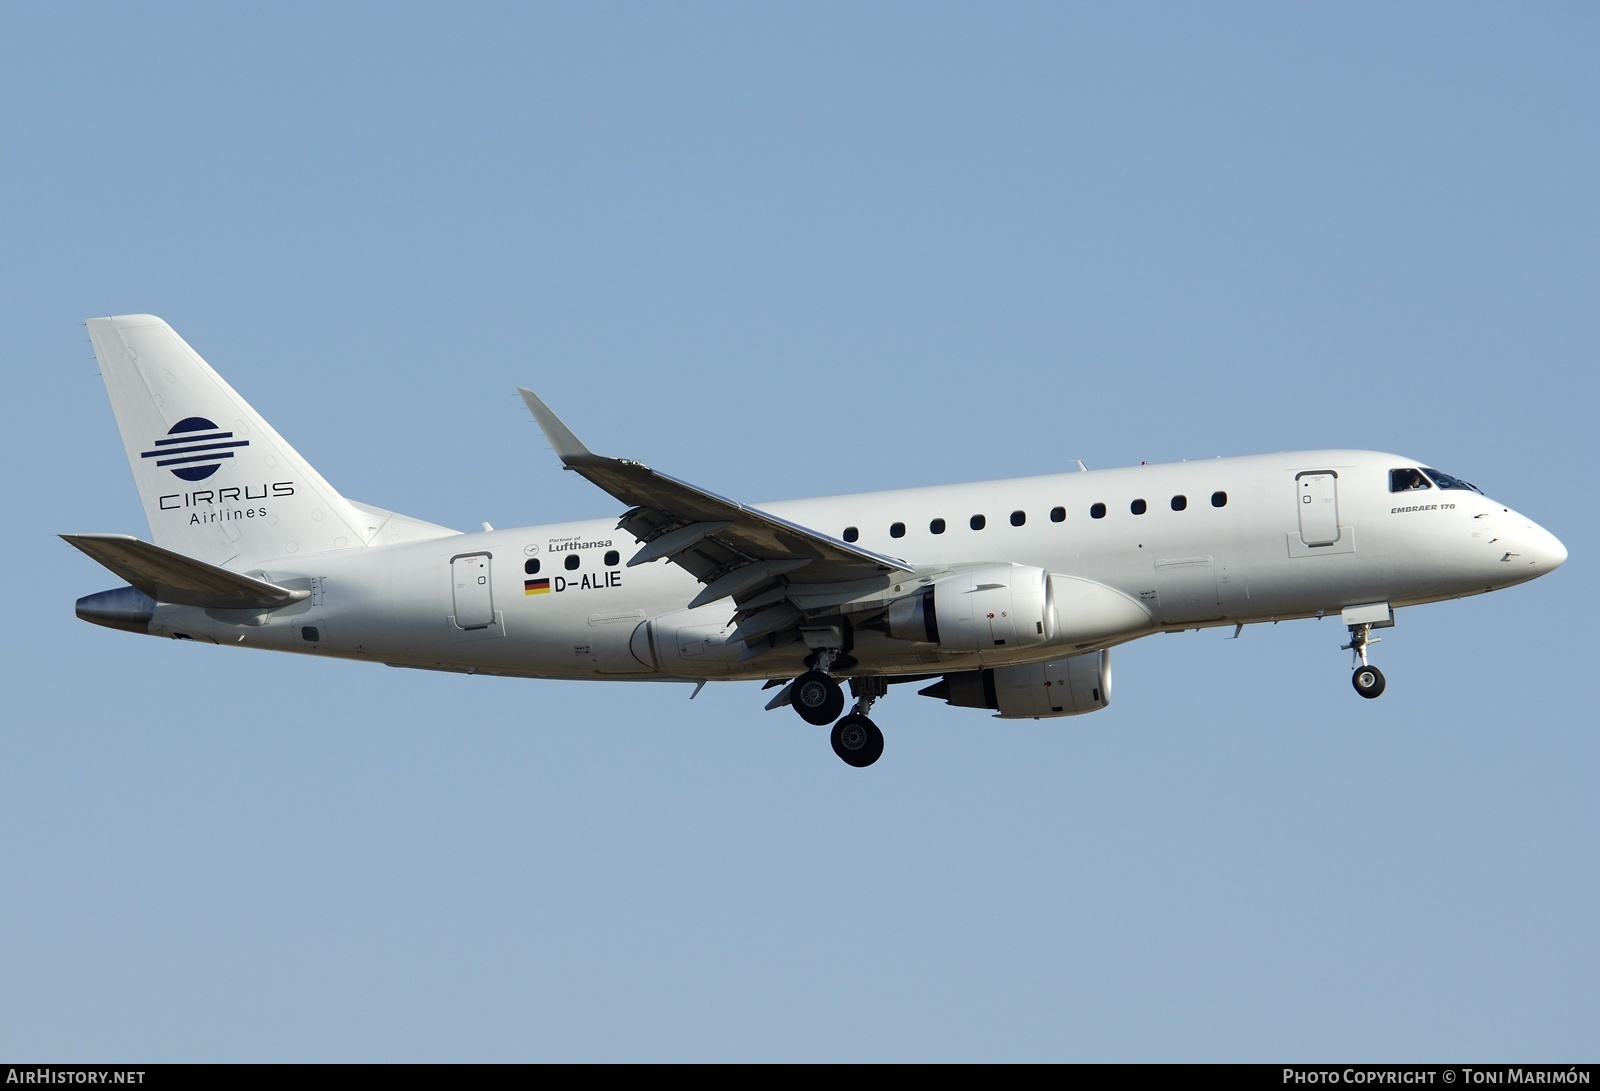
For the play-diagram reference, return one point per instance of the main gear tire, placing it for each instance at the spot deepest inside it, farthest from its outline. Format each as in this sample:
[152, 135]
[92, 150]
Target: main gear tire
[817, 698]
[857, 741]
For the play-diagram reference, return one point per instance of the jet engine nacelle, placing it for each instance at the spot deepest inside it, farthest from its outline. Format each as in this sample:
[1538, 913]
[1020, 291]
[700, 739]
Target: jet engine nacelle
[1003, 606]
[1061, 687]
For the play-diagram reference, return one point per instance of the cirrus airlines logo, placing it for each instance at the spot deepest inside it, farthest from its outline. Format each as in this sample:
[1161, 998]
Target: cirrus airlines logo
[194, 448]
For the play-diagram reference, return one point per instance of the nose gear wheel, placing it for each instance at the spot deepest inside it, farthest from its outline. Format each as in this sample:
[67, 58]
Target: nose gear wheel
[1368, 681]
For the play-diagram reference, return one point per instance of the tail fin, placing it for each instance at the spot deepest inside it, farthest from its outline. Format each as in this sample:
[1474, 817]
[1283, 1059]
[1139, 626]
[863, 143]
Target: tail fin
[217, 482]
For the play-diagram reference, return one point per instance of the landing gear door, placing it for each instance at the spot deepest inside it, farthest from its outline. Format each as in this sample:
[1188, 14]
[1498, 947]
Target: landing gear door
[1319, 507]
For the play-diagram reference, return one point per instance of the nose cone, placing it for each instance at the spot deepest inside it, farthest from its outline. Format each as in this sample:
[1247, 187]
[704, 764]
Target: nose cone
[1548, 552]
[1531, 548]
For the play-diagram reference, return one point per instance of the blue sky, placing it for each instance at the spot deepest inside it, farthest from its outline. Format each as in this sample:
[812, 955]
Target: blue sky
[788, 251]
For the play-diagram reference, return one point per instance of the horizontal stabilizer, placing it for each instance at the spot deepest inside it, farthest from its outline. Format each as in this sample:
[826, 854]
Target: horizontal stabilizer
[171, 577]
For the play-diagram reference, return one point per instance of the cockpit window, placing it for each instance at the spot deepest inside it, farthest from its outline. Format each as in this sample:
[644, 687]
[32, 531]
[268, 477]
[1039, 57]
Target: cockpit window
[1445, 481]
[1407, 480]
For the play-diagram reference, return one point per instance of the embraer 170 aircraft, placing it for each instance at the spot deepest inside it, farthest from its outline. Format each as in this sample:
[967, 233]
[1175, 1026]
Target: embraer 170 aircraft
[1003, 595]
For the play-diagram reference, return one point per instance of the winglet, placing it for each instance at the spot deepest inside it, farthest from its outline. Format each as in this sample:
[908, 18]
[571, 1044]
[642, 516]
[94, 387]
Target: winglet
[567, 445]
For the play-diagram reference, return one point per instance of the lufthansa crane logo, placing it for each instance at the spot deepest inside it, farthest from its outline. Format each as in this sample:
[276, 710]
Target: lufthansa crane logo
[194, 448]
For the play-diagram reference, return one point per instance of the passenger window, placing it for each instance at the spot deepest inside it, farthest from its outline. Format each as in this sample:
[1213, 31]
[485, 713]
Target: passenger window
[978, 522]
[1058, 515]
[1137, 507]
[1219, 499]
[572, 562]
[1179, 503]
[897, 530]
[1407, 481]
[936, 527]
[1098, 511]
[1018, 518]
[612, 557]
[851, 534]
[531, 567]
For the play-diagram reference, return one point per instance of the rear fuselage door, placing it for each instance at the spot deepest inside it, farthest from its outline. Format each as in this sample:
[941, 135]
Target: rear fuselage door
[1319, 507]
[474, 599]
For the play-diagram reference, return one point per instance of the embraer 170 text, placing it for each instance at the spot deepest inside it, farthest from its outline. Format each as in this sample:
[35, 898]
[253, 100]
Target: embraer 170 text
[1004, 595]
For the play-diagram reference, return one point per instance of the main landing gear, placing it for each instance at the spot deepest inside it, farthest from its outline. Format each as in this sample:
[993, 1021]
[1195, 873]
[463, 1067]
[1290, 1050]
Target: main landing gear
[819, 699]
[855, 738]
[1367, 679]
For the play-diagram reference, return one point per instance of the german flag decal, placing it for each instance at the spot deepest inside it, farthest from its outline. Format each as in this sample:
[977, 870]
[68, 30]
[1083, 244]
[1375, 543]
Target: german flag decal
[535, 587]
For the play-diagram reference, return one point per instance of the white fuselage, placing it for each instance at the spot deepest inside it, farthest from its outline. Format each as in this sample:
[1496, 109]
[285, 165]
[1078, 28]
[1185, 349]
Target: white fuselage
[1257, 538]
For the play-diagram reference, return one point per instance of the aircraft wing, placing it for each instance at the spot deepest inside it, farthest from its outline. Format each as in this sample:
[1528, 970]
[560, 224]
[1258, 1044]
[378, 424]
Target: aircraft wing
[735, 550]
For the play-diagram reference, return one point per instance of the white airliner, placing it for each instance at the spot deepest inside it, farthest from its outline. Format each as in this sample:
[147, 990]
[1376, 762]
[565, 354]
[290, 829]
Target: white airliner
[1004, 595]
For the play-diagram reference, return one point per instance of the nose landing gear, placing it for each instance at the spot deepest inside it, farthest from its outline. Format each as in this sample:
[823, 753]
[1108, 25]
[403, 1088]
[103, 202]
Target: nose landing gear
[1367, 679]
